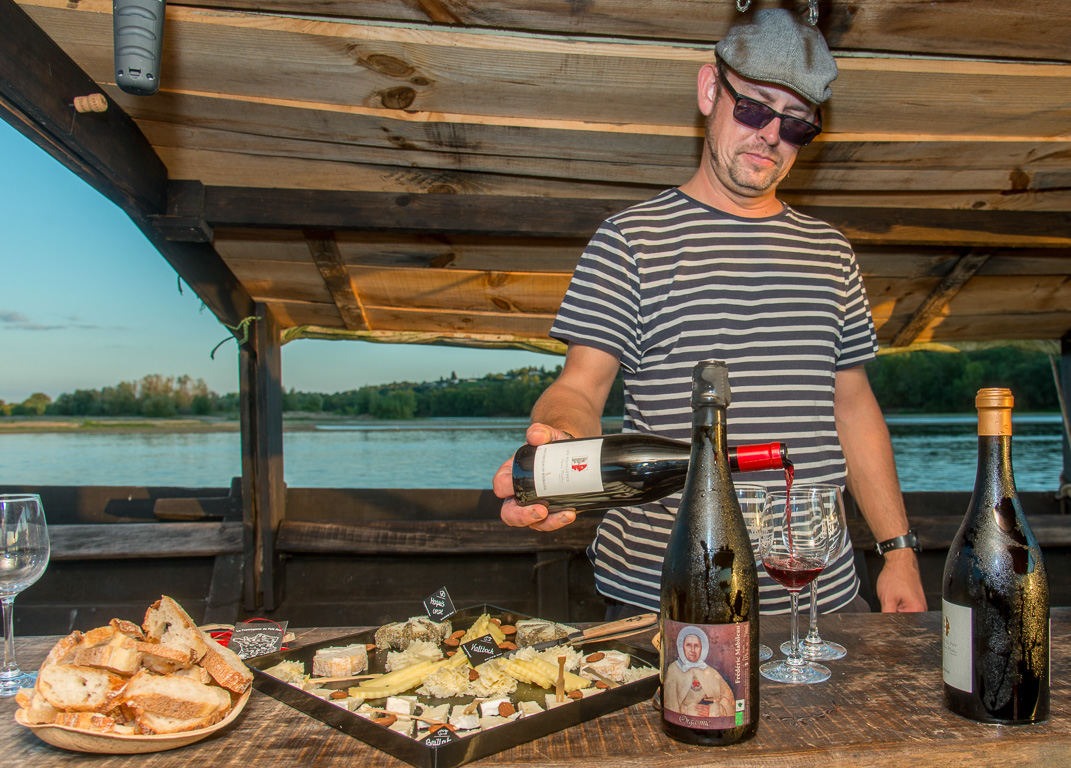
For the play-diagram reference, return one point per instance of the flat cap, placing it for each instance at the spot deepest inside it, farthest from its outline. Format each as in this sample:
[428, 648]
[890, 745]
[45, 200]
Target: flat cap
[776, 47]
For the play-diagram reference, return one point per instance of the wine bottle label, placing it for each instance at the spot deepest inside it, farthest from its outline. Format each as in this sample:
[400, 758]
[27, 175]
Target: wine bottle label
[956, 637]
[568, 467]
[706, 674]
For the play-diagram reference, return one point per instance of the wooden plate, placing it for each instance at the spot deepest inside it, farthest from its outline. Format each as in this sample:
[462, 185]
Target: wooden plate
[117, 744]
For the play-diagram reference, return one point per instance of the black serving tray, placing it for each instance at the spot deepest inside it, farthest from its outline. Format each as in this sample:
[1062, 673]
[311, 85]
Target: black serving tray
[464, 749]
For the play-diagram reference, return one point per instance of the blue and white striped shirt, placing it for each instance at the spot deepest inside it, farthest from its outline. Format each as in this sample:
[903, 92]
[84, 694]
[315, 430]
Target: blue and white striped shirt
[670, 282]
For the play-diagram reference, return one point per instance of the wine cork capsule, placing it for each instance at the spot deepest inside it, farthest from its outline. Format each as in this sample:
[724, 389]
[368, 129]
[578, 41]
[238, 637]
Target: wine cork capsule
[94, 102]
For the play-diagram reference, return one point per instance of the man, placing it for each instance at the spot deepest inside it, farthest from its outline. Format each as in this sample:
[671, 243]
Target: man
[721, 269]
[693, 687]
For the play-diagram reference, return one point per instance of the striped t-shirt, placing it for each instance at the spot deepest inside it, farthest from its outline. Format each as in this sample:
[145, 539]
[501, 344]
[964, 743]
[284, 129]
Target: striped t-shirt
[672, 281]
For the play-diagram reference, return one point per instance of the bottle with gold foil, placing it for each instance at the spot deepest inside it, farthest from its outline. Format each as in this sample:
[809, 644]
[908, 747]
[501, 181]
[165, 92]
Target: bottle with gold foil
[995, 593]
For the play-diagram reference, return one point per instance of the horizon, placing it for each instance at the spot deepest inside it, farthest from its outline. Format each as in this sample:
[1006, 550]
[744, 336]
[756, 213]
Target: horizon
[87, 302]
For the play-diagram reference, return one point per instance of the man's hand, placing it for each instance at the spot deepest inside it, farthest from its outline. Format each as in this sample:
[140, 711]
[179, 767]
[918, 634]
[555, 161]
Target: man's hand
[899, 584]
[534, 516]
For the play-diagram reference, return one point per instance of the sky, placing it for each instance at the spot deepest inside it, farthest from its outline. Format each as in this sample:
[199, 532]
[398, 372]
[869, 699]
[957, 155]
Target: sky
[86, 302]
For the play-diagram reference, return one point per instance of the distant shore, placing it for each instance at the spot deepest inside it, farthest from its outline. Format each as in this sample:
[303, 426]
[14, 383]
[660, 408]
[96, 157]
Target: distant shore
[292, 422]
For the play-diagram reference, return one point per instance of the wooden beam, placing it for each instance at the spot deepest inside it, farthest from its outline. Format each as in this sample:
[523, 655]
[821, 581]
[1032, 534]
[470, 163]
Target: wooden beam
[184, 220]
[263, 489]
[966, 29]
[144, 540]
[962, 271]
[325, 253]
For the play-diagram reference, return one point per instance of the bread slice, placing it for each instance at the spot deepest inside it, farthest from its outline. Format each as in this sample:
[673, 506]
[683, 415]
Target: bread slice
[152, 723]
[121, 661]
[197, 672]
[176, 697]
[63, 649]
[86, 721]
[167, 624]
[79, 689]
[162, 659]
[36, 710]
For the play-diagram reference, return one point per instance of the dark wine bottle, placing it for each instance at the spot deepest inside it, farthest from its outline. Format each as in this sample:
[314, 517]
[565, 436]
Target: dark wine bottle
[710, 593]
[618, 470]
[995, 593]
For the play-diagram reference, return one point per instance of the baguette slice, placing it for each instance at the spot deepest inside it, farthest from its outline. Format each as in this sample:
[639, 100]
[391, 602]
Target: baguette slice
[36, 710]
[162, 659]
[167, 624]
[86, 721]
[79, 689]
[175, 697]
[63, 649]
[121, 661]
[152, 723]
[165, 620]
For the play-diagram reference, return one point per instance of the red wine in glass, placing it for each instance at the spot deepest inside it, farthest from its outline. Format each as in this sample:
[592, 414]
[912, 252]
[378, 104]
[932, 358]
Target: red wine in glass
[792, 572]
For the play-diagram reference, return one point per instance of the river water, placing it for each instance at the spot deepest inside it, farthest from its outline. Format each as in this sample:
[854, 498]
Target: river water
[932, 454]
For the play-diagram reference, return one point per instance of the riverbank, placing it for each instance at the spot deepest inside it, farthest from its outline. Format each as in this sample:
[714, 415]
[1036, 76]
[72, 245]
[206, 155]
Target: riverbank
[292, 422]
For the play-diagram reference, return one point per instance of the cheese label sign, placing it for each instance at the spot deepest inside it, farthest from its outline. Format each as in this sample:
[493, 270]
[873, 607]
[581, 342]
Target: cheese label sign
[440, 736]
[439, 605]
[250, 639]
[481, 649]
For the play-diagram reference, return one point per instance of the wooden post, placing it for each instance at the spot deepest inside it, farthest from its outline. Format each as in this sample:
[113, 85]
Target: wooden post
[1065, 389]
[263, 490]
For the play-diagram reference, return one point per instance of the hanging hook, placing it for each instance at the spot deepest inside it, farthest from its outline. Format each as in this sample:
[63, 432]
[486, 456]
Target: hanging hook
[743, 5]
[812, 12]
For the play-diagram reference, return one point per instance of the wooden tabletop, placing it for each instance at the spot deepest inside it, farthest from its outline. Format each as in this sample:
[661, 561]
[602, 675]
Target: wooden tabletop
[882, 707]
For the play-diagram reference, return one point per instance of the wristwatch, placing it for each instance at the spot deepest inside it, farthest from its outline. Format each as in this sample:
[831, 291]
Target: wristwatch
[908, 540]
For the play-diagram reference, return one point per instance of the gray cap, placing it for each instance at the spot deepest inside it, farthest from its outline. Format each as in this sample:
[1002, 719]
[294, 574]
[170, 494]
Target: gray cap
[776, 47]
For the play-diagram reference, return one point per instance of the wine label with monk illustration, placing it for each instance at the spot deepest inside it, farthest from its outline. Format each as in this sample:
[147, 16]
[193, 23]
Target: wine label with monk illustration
[706, 674]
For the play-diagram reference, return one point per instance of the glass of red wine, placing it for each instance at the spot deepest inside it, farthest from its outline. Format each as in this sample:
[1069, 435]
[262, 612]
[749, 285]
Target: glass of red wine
[813, 647]
[752, 498]
[795, 544]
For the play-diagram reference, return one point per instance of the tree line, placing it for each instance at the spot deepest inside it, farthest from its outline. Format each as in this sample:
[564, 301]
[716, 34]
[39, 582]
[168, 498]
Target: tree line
[912, 382]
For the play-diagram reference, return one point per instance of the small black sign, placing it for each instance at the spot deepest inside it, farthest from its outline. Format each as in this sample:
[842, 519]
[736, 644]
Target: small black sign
[439, 606]
[442, 735]
[250, 639]
[481, 649]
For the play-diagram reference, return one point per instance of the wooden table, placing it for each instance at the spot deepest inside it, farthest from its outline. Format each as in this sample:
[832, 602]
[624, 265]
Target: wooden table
[881, 708]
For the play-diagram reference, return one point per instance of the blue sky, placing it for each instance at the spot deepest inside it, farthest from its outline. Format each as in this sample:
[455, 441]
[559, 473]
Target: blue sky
[86, 302]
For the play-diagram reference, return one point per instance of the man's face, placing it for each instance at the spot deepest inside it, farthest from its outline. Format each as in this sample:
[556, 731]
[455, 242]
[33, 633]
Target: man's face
[692, 648]
[751, 161]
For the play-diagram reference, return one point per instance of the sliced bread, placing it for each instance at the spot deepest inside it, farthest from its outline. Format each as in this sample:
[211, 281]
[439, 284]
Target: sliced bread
[177, 697]
[122, 661]
[79, 689]
[36, 710]
[167, 624]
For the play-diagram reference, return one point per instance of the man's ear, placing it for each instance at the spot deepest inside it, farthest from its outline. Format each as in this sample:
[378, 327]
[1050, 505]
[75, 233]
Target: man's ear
[707, 87]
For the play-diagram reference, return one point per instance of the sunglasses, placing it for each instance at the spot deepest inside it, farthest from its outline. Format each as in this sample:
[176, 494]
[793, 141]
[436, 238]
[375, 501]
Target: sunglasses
[755, 114]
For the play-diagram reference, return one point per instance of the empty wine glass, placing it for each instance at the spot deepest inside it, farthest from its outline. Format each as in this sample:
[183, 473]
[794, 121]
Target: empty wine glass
[752, 498]
[795, 544]
[23, 557]
[813, 647]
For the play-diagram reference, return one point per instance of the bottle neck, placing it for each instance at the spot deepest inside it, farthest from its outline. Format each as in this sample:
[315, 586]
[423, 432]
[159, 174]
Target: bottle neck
[710, 450]
[994, 465]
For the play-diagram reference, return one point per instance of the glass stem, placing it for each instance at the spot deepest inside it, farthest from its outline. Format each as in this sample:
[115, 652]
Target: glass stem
[10, 669]
[813, 638]
[795, 659]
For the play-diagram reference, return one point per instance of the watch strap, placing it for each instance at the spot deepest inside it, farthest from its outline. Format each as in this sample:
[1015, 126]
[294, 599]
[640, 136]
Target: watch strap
[909, 540]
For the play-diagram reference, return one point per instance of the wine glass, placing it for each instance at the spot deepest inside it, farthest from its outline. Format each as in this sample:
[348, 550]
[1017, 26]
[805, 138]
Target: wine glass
[23, 557]
[795, 544]
[813, 647]
[752, 498]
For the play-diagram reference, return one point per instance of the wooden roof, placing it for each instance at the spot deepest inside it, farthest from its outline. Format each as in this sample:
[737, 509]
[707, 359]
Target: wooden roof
[430, 169]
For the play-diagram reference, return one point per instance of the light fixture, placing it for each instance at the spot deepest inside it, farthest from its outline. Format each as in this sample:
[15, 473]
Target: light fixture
[138, 31]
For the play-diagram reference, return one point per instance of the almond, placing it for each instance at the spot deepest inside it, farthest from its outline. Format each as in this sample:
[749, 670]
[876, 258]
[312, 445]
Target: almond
[602, 684]
[576, 695]
[497, 622]
[507, 645]
[474, 675]
[339, 695]
[508, 629]
[370, 647]
[450, 653]
[505, 709]
[385, 720]
[453, 642]
[458, 633]
[597, 656]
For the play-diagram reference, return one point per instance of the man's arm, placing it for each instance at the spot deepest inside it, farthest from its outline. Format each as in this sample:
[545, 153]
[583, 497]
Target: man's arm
[571, 406]
[872, 480]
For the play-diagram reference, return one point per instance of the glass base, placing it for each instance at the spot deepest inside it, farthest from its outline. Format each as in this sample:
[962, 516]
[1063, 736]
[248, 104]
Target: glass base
[782, 672]
[822, 651]
[765, 653]
[10, 684]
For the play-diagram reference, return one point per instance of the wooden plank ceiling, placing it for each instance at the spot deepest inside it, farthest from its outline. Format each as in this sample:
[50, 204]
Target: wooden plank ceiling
[430, 169]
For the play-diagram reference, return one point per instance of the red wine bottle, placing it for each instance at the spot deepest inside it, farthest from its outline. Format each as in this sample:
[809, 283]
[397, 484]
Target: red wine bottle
[995, 592]
[617, 470]
[710, 594]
